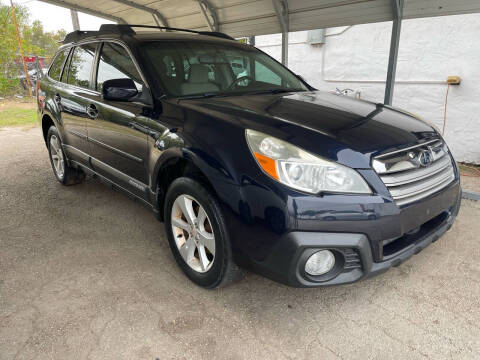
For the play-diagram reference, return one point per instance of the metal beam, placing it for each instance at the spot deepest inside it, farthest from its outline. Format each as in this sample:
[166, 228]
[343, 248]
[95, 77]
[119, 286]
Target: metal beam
[207, 9]
[85, 10]
[75, 22]
[154, 12]
[281, 8]
[397, 9]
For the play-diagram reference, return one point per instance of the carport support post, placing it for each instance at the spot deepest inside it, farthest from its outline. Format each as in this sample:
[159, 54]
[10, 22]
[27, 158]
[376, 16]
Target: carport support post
[281, 8]
[75, 22]
[397, 6]
[285, 48]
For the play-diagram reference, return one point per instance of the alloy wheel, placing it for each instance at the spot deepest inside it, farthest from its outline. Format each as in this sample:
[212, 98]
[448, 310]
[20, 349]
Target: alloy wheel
[57, 156]
[193, 233]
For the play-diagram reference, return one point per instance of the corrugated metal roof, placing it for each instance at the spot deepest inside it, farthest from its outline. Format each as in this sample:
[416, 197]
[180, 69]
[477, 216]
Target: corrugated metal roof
[258, 17]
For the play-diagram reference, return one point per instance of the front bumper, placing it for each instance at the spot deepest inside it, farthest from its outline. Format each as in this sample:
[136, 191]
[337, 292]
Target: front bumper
[357, 253]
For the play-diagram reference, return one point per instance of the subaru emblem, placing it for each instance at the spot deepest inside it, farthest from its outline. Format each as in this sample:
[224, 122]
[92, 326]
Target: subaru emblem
[425, 158]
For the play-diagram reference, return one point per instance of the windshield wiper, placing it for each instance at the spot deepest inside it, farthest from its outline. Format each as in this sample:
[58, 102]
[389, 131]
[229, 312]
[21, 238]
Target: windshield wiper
[199, 96]
[258, 92]
[273, 91]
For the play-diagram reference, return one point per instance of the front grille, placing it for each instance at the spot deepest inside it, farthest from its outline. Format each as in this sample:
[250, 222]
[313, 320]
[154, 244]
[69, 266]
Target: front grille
[408, 174]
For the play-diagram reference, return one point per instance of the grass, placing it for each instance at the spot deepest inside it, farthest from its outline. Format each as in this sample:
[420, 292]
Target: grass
[12, 115]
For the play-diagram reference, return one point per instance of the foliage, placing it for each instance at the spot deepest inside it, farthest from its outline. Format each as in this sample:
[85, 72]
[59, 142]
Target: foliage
[8, 85]
[35, 41]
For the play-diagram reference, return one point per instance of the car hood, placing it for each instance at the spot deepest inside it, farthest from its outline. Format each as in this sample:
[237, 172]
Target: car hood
[322, 122]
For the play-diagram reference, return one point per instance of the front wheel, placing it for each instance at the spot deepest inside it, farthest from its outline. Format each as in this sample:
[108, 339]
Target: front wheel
[197, 234]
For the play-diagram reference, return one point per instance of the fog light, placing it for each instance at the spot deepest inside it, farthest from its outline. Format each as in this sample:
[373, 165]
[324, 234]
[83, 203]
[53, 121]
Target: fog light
[320, 263]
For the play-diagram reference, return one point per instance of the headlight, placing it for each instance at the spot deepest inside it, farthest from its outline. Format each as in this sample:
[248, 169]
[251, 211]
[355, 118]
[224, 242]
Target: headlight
[301, 170]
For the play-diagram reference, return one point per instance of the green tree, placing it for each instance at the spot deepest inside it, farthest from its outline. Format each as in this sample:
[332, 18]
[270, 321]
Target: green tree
[43, 43]
[35, 41]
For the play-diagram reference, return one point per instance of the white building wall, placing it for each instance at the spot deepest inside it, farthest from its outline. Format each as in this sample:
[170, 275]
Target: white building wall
[430, 50]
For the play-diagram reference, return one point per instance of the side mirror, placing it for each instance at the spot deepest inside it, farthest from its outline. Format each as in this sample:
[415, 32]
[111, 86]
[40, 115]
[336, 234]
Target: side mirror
[119, 89]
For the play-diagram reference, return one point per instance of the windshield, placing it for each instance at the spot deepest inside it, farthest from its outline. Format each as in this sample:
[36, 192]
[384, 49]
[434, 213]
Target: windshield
[190, 68]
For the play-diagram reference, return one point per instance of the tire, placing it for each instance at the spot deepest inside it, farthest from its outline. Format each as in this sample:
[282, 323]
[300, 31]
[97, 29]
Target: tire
[64, 173]
[217, 268]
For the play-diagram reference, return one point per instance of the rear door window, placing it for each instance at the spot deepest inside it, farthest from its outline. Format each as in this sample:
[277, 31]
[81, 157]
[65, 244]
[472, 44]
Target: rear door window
[57, 65]
[81, 64]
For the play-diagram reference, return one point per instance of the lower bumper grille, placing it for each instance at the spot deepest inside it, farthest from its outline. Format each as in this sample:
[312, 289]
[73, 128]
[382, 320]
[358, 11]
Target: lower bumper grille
[392, 247]
[416, 172]
[352, 260]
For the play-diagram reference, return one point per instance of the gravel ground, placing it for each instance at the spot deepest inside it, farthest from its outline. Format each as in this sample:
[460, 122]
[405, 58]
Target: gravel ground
[86, 273]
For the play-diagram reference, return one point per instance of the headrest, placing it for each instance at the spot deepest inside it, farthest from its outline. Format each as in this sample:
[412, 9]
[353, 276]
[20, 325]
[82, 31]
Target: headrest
[198, 73]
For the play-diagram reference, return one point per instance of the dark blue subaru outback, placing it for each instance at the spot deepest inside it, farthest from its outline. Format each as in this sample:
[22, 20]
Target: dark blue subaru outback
[247, 165]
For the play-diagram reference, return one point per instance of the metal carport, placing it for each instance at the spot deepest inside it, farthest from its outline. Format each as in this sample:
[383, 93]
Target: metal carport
[260, 17]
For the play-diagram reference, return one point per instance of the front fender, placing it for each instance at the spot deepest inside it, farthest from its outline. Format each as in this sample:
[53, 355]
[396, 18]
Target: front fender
[210, 167]
[171, 148]
[217, 147]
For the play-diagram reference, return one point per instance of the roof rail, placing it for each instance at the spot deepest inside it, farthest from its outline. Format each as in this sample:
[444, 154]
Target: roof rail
[127, 29]
[78, 35]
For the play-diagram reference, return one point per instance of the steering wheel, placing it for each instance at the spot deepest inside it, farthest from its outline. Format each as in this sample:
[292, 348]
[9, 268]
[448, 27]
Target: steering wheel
[241, 78]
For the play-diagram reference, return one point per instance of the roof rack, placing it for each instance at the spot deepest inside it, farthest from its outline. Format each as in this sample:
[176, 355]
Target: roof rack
[127, 29]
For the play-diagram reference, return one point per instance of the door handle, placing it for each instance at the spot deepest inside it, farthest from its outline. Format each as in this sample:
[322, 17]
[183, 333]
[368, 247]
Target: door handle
[92, 111]
[57, 98]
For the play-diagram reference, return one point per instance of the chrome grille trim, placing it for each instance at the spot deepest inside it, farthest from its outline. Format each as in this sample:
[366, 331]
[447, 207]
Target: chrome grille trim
[408, 148]
[416, 174]
[403, 191]
[426, 193]
[406, 179]
[399, 160]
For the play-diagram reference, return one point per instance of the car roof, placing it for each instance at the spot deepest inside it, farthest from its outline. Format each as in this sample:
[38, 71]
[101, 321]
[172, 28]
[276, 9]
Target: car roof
[133, 40]
[126, 33]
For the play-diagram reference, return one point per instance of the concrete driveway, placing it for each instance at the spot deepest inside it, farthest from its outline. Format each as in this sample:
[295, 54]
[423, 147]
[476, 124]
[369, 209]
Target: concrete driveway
[86, 273]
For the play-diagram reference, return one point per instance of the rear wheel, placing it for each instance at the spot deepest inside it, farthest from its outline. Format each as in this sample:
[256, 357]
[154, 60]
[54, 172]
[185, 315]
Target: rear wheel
[197, 234]
[64, 173]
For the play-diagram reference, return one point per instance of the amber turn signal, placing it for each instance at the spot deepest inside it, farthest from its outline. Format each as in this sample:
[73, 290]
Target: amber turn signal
[267, 164]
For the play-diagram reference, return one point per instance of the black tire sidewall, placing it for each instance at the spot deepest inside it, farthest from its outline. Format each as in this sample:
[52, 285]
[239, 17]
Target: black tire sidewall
[53, 131]
[213, 277]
